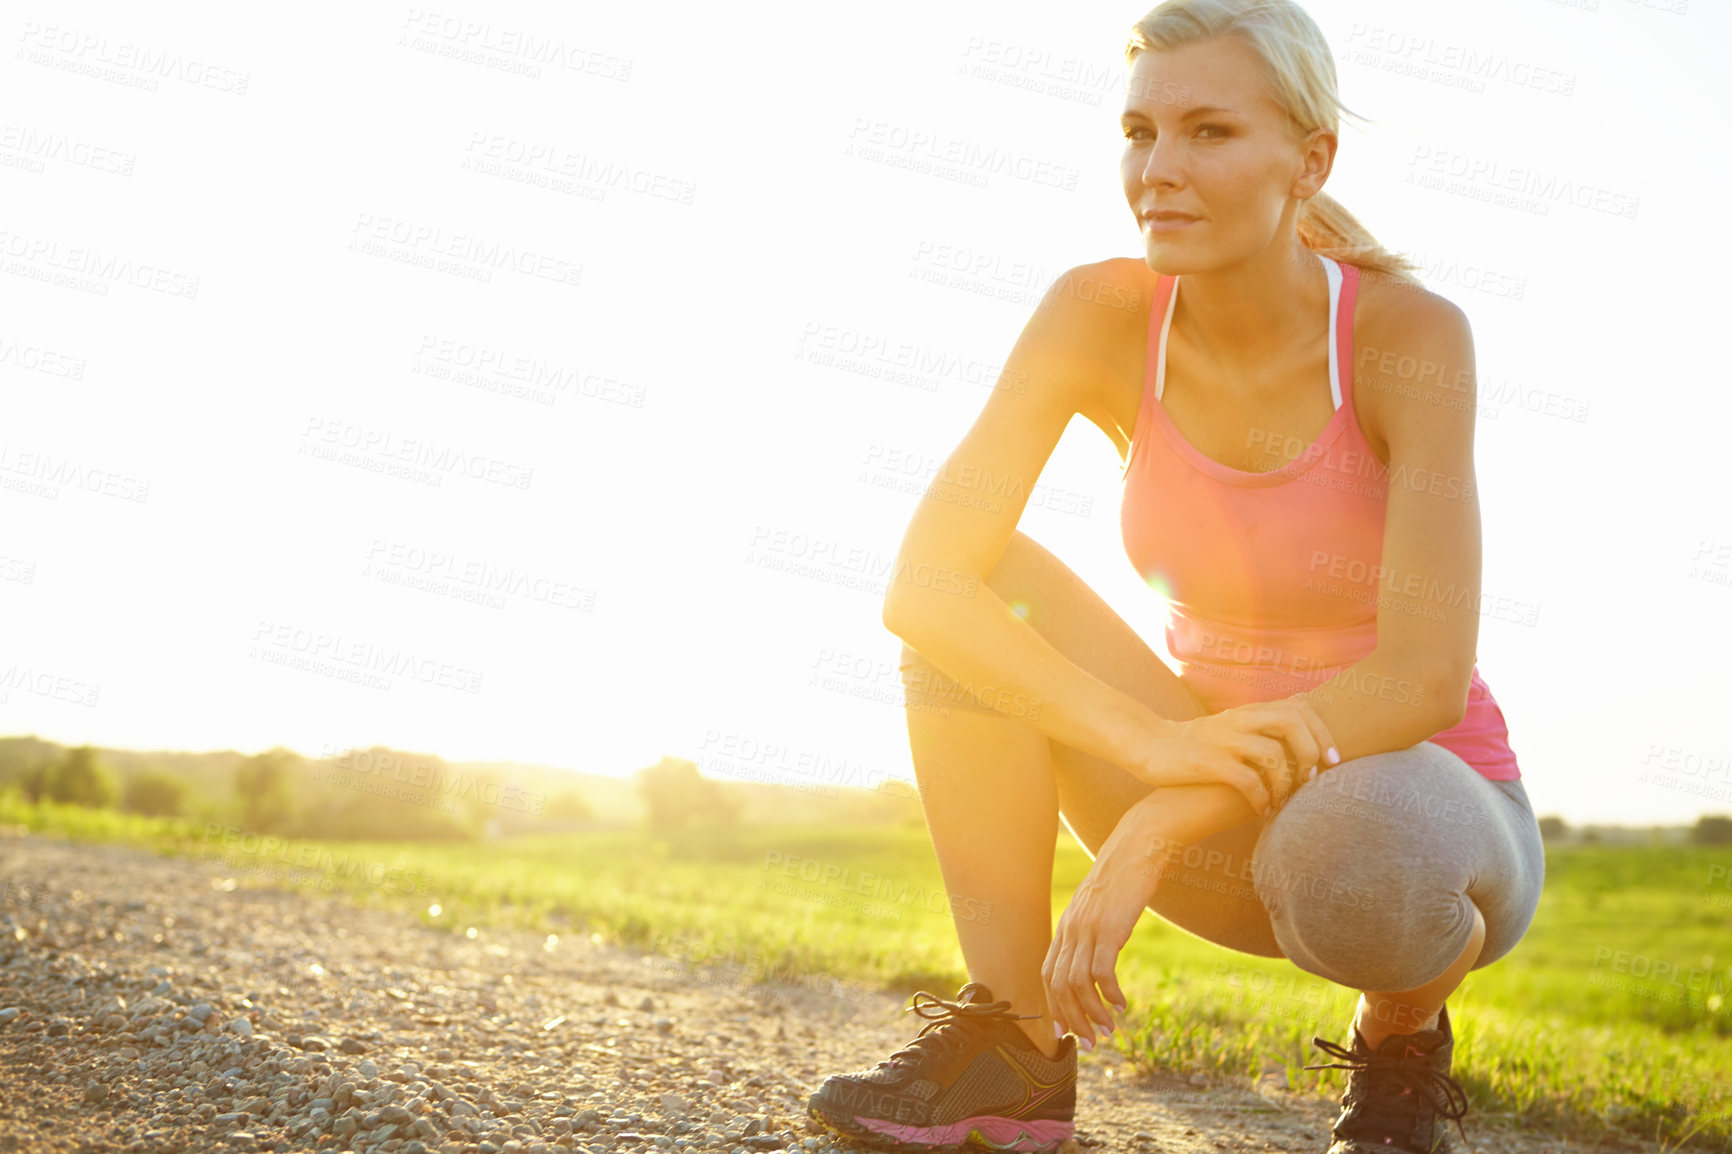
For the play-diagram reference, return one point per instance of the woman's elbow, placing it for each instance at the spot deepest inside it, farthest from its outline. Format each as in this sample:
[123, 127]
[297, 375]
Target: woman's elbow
[1446, 691]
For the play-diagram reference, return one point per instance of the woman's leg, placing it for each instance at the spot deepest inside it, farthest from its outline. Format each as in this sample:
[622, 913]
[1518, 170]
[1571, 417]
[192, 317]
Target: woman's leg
[1398, 873]
[994, 787]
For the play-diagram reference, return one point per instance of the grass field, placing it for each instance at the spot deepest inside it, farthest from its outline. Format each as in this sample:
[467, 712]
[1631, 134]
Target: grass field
[1612, 1014]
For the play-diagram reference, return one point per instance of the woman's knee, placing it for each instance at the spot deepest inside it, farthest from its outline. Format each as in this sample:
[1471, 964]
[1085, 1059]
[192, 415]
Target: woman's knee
[1024, 578]
[1357, 902]
[928, 689]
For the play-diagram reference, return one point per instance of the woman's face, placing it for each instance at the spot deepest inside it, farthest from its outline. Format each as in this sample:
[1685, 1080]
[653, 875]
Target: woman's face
[1203, 138]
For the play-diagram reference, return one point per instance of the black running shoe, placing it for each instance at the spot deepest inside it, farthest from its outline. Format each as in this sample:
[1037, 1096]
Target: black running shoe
[1391, 1103]
[971, 1076]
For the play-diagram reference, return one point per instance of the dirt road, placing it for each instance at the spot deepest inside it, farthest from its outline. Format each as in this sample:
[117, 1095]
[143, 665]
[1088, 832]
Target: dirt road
[159, 1004]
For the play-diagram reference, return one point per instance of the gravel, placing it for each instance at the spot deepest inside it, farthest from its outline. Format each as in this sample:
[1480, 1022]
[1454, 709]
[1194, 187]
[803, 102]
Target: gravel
[153, 1004]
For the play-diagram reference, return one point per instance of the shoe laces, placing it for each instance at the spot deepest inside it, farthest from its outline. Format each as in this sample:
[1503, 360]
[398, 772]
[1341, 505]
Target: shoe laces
[945, 1031]
[1386, 1107]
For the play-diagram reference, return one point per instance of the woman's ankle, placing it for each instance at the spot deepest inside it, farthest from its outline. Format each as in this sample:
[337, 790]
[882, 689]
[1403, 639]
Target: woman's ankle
[1040, 1035]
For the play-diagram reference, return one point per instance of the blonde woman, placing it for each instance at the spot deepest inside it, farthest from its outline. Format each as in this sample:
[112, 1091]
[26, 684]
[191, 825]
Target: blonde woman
[1328, 779]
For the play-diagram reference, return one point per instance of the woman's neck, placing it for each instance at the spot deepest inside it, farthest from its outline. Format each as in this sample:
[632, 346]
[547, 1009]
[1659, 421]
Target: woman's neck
[1247, 314]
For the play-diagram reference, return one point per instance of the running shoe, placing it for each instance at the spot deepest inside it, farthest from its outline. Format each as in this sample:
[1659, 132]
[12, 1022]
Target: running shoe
[971, 1077]
[1391, 1103]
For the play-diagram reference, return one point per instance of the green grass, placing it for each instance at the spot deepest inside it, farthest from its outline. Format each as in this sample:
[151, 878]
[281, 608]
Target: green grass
[1563, 1032]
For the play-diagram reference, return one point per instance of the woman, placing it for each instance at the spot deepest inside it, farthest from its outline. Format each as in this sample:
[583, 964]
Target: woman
[1328, 779]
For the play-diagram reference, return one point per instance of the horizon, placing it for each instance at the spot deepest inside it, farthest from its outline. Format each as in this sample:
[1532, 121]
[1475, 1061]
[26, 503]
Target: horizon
[626, 774]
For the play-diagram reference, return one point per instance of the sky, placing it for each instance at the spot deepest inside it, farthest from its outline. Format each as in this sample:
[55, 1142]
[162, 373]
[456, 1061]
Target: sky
[513, 382]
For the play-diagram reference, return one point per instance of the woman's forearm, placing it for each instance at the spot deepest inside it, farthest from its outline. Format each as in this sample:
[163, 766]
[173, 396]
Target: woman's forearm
[1183, 815]
[979, 641]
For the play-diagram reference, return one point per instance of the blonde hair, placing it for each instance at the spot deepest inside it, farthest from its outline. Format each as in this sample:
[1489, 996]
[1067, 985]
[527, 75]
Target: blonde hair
[1300, 73]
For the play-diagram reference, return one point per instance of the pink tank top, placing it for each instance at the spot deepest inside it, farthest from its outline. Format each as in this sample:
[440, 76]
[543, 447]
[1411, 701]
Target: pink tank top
[1272, 578]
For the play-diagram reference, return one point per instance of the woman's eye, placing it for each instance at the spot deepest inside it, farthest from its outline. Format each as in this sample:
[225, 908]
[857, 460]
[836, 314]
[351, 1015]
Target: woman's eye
[1220, 130]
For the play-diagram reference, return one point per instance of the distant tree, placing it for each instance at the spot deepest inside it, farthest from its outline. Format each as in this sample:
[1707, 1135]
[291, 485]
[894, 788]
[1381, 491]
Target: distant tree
[678, 795]
[25, 758]
[568, 806]
[80, 778]
[154, 793]
[33, 783]
[1591, 837]
[1712, 829]
[1553, 828]
[263, 784]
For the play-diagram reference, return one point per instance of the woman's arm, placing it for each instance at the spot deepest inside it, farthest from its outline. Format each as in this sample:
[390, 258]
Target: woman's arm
[941, 605]
[937, 601]
[1415, 683]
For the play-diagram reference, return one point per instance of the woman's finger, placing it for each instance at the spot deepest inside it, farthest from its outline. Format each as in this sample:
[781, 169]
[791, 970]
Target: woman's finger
[1320, 734]
[1231, 771]
[1085, 972]
[1064, 1007]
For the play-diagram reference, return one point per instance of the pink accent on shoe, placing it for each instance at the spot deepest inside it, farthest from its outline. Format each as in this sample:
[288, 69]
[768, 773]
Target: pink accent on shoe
[1020, 1134]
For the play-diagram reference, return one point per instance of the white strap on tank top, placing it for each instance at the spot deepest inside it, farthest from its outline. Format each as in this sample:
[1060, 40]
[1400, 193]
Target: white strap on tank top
[1332, 269]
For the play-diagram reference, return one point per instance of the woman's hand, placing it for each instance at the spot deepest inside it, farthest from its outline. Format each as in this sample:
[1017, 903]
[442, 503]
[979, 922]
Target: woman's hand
[1266, 750]
[1097, 924]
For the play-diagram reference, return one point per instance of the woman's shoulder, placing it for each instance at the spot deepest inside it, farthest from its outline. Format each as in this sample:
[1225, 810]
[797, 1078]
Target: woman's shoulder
[1104, 291]
[1387, 303]
[1094, 318]
[1410, 345]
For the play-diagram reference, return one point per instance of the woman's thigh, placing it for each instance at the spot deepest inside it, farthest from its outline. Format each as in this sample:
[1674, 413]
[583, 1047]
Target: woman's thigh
[1371, 872]
[1206, 889]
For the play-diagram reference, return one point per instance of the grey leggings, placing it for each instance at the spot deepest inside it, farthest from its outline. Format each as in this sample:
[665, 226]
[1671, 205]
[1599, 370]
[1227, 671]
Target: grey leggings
[1364, 877]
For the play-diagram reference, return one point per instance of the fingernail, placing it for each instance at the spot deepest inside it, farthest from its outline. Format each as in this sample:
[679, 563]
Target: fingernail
[1110, 1028]
[1332, 757]
[1313, 776]
[1119, 1006]
[1086, 1044]
[1057, 1032]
